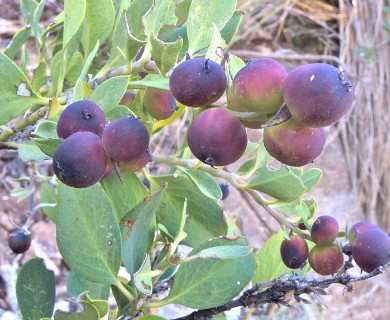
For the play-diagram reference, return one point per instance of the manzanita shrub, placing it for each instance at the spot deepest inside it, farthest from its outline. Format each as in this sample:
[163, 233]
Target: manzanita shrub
[111, 75]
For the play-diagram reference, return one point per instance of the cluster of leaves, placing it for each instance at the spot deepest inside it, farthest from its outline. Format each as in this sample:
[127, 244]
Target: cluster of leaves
[175, 229]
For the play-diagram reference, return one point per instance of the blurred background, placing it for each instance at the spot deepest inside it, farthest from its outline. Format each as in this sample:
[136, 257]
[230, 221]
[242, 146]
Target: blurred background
[352, 35]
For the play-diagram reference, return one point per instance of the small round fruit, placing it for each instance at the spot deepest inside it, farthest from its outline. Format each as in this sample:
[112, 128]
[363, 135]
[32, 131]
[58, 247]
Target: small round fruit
[347, 249]
[359, 228]
[197, 82]
[324, 230]
[19, 240]
[125, 139]
[326, 260]
[293, 144]
[302, 226]
[257, 87]
[216, 137]
[83, 115]
[317, 94]
[294, 251]
[159, 103]
[225, 190]
[136, 164]
[80, 160]
[127, 99]
[371, 249]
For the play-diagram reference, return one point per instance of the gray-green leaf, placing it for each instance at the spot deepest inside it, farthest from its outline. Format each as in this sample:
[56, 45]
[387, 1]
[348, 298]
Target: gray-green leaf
[86, 221]
[35, 290]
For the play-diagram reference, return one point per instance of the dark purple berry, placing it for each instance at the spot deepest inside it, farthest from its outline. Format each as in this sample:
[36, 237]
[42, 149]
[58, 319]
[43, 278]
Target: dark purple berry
[347, 249]
[125, 139]
[359, 228]
[317, 94]
[216, 137]
[83, 115]
[302, 226]
[19, 240]
[293, 144]
[225, 190]
[324, 230]
[197, 82]
[294, 251]
[80, 160]
[371, 249]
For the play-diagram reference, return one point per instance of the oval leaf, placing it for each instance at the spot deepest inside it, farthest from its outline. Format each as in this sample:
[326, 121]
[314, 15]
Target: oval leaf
[74, 17]
[98, 23]
[205, 217]
[16, 93]
[76, 285]
[281, 184]
[208, 283]
[205, 183]
[35, 290]
[202, 15]
[135, 228]
[86, 221]
[108, 94]
[124, 197]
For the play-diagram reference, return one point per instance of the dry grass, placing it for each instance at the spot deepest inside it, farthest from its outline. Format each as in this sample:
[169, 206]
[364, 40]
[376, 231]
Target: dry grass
[364, 46]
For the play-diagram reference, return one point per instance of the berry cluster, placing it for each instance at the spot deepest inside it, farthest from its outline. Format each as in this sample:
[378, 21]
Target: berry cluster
[314, 96]
[216, 136]
[306, 100]
[368, 245]
[90, 145]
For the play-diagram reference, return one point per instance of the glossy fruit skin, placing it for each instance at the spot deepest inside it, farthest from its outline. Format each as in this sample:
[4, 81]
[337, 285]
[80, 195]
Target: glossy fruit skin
[127, 99]
[371, 249]
[317, 94]
[257, 87]
[359, 228]
[294, 251]
[324, 230]
[216, 137]
[326, 260]
[83, 115]
[80, 160]
[19, 241]
[293, 144]
[125, 139]
[225, 190]
[197, 82]
[136, 164]
[159, 103]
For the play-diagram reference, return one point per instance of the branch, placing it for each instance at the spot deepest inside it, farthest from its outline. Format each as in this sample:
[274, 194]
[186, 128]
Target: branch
[279, 290]
[23, 123]
[138, 66]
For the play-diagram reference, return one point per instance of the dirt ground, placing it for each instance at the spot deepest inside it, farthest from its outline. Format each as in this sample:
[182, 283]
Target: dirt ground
[334, 194]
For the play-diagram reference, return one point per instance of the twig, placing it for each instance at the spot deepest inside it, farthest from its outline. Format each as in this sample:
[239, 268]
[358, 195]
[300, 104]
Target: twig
[277, 291]
[23, 123]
